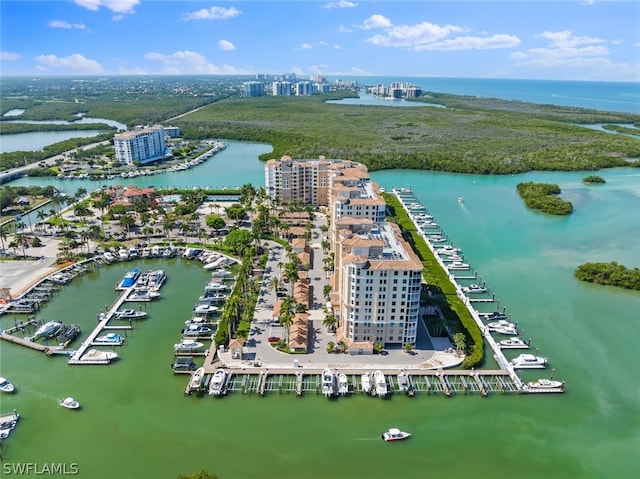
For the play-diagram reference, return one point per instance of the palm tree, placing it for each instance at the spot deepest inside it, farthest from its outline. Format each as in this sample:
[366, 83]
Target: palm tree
[291, 274]
[21, 240]
[330, 322]
[127, 221]
[4, 234]
[41, 215]
[274, 284]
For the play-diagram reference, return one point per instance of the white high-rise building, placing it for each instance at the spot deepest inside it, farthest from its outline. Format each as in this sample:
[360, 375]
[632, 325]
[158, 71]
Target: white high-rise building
[252, 88]
[142, 145]
[281, 88]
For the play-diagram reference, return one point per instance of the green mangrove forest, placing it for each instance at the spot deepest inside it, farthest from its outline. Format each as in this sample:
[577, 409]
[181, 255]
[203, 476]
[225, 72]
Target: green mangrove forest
[593, 179]
[612, 274]
[544, 197]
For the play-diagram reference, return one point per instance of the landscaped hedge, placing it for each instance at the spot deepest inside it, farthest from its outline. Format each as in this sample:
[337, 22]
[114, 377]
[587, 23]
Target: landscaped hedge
[458, 317]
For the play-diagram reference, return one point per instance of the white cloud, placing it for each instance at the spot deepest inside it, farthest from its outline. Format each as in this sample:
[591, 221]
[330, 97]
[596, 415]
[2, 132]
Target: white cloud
[340, 4]
[413, 36]
[551, 57]
[65, 24]
[75, 62]
[376, 21]
[567, 39]
[8, 56]
[226, 45]
[472, 43]
[306, 46]
[187, 62]
[118, 6]
[343, 29]
[337, 47]
[212, 13]
[309, 46]
[429, 36]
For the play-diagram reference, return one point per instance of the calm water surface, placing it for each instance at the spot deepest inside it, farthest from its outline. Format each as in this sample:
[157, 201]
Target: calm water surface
[135, 416]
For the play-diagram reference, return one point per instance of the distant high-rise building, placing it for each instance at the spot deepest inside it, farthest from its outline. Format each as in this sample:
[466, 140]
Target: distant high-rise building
[142, 145]
[304, 88]
[252, 88]
[281, 88]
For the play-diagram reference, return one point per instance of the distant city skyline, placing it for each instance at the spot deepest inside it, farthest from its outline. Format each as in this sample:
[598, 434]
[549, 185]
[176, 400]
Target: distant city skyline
[554, 40]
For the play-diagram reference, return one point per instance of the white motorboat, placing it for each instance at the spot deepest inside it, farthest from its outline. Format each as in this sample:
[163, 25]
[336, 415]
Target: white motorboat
[529, 361]
[366, 383]
[98, 355]
[403, 382]
[495, 316]
[213, 286]
[110, 338]
[70, 403]
[380, 383]
[436, 239]
[457, 266]
[108, 257]
[169, 252]
[343, 384]
[218, 381]
[473, 289]
[128, 280]
[544, 384]
[123, 254]
[328, 383]
[448, 250]
[155, 251]
[460, 199]
[143, 295]
[130, 314]
[199, 320]
[187, 345]
[428, 225]
[196, 379]
[394, 434]
[196, 330]
[503, 327]
[6, 386]
[60, 278]
[205, 308]
[47, 330]
[221, 273]
[513, 343]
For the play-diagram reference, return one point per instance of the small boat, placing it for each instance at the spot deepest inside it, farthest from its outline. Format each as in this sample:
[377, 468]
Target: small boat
[495, 315]
[155, 251]
[366, 383]
[130, 314]
[110, 338]
[529, 361]
[218, 381]
[457, 266]
[47, 330]
[403, 383]
[196, 379]
[156, 279]
[200, 321]
[220, 273]
[448, 250]
[394, 434]
[143, 295]
[108, 257]
[328, 383]
[544, 384]
[60, 278]
[343, 384]
[6, 386]
[196, 330]
[187, 345]
[169, 252]
[123, 254]
[128, 280]
[215, 286]
[205, 309]
[503, 327]
[513, 343]
[473, 289]
[97, 355]
[460, 199]
[70, 403]
[380, 383]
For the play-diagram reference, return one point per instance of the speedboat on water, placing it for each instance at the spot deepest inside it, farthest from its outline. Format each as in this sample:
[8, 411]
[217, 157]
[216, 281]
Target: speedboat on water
[196, 379]
[143, 295]
[394, 434]
[366, 383]
[473, 289]
[98, 355]
[544, 384]
[343, 384]
[128, 280]
[328, 383]
[380, 383]
[70, 403]
[47, 330]
[130, 314]
[205, 309]
[513, 343]
[218, 381]
[6, 386]
[529, 361]
[187, 345]
[196, 330]
[457, 266]
[110, 338]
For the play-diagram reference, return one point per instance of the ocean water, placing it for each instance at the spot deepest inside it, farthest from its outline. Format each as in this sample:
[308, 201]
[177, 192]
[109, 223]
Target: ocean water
[606, 96]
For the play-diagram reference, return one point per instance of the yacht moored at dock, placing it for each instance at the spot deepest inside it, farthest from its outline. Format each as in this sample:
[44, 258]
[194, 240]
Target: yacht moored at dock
[380, 383]
[542, 384]
[513, 343]
[47, 330]
[365, 381]
[328, 383]
[130, 314]
[529, 361]
[128, 280]
[343, 384]
[218, 381]
[473, 289]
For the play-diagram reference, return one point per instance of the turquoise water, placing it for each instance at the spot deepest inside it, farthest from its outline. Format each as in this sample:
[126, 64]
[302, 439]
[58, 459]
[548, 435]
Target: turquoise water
[135, 415]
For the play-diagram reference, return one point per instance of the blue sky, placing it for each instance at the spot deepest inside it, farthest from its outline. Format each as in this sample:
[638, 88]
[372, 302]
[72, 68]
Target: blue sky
[563, 40]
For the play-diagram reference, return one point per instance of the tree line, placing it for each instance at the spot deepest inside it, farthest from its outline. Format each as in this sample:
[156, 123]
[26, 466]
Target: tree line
[544, 197]
[612, 274]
